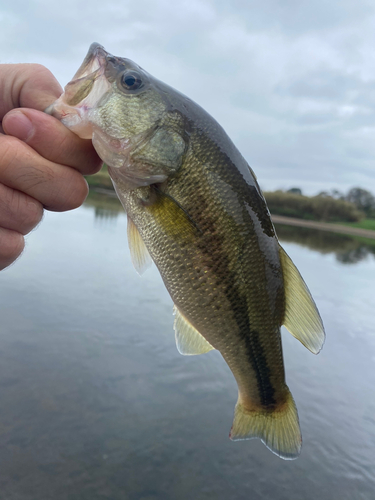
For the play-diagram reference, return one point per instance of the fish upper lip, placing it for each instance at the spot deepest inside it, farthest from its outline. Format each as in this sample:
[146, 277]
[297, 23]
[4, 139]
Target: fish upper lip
[95, 59]
[92, 69]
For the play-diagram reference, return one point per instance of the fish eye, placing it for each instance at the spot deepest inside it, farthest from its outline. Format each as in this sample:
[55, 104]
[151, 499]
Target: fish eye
[131, 80]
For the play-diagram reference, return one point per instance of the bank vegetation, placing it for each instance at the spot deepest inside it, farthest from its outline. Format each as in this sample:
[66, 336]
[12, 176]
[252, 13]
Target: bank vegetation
[353, 207]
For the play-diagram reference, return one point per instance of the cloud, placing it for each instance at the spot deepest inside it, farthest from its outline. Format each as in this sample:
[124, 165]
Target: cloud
[292, 82]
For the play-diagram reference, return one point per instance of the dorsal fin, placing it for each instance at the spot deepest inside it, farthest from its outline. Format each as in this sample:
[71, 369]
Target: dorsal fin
[188, 340]
[302, 318]
[139, 254]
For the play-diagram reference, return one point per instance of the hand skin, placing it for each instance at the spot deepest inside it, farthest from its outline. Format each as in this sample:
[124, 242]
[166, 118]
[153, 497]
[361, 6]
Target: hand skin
[42, 163]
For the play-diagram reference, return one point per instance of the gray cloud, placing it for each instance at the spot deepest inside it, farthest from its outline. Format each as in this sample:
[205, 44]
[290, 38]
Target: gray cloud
[296, 17]
[292, 82]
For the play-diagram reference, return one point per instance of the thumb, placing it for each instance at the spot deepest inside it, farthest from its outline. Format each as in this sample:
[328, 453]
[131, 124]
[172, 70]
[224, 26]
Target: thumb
[28, 86]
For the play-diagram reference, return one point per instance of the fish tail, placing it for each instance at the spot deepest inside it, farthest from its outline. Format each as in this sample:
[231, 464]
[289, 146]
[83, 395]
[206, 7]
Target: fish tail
[278, 428]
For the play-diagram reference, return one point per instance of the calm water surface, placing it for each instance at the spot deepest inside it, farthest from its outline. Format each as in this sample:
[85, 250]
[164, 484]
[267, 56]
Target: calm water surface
[96, 402]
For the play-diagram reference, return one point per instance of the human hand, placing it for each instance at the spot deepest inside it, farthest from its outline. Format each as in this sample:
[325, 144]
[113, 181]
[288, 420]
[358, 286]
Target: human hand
[42, 163]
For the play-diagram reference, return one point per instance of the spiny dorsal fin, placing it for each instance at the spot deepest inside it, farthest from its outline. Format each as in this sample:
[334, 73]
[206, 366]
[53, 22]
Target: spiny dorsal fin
[139, 254]
[188, 340]
[302, 318]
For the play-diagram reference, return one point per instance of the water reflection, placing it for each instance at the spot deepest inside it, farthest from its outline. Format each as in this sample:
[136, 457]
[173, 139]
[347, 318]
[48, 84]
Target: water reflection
[347, 249]
[106, 207]
[96, 401]
[105, 213]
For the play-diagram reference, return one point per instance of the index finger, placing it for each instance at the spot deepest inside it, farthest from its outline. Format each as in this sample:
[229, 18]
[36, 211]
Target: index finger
[27, 85]
[52, 140]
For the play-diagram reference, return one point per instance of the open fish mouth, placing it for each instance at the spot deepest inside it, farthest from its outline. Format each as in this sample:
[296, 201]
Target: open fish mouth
[83, 92]
[94, 60]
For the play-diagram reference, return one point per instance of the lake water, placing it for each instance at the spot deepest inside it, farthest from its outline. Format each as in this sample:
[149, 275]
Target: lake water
[96, 402]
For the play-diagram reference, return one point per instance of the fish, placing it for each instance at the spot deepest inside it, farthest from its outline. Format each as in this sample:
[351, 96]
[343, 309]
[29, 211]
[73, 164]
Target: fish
[195, 208]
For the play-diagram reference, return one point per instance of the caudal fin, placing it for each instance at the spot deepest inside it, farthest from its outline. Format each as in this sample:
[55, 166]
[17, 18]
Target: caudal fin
[278, 429]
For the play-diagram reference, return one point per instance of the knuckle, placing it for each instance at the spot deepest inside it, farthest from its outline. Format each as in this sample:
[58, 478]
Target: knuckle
[40, 70]
[78, 193]
[12, 244]
[19, 211]
[18, 166]
[62, 145]
[31, 215]
[31, 178]
[73, 192]
[8, 152]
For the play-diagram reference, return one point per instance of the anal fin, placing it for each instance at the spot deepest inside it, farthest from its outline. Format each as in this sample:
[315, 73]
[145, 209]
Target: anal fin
[188, 340]
[139, 254]
[302, 318]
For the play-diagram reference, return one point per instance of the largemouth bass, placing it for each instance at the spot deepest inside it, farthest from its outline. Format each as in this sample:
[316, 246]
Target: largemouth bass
[195, 208]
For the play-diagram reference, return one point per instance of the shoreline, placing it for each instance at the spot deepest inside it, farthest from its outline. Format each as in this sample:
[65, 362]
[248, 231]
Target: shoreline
[324, 226]
[289, 221]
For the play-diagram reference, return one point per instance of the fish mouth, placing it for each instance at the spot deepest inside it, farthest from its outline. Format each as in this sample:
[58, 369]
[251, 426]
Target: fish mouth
[83, 92]
[94, 60]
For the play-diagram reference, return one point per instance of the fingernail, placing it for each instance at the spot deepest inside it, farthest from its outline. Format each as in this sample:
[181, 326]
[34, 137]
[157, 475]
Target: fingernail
[17, 124]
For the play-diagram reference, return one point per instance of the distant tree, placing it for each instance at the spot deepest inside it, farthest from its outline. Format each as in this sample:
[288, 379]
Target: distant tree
[363, 200]
[323, 208]
[295, 190]
[334, 193]
[338, 195]
[324, 194]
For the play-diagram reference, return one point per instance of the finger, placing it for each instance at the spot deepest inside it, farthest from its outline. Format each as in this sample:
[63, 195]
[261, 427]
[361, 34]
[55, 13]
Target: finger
[52, 140]
[55, 186]
[11, 246]
[18, 211]
[27, 85]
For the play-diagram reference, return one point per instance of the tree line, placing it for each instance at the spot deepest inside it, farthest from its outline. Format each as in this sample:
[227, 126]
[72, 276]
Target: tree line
[364, 200]
[330, 206]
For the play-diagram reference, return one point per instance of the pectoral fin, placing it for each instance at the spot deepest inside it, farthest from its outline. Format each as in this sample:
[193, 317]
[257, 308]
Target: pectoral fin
[188, 340]
[172, 217]
[139, 254]
[302, 318]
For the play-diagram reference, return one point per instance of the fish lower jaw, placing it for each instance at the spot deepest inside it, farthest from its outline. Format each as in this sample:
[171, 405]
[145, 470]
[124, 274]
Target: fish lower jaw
[76, 125]
[73, 117]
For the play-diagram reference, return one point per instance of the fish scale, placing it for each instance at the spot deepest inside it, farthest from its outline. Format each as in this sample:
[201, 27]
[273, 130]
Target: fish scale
[216, 250]
[194, 206]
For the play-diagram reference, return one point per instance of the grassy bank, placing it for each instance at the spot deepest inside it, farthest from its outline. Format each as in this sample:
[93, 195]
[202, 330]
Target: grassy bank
[363, 224]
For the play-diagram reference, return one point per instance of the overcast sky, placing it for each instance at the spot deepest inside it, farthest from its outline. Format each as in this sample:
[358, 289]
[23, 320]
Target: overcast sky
[291, 81]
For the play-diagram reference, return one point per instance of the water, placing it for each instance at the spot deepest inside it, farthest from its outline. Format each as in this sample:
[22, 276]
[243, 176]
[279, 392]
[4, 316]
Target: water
[96, 402]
